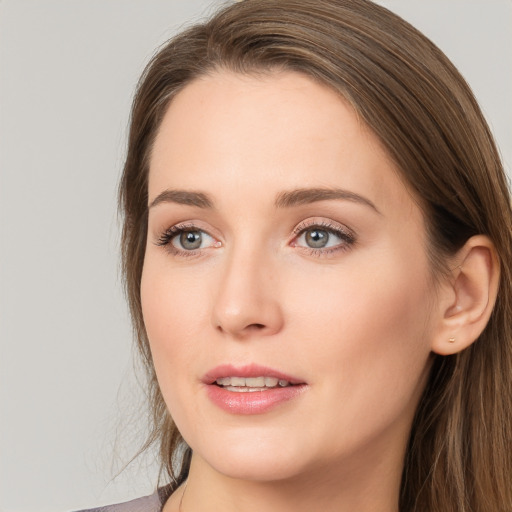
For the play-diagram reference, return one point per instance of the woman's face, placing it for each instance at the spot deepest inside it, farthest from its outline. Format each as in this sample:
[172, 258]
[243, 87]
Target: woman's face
[286, 289]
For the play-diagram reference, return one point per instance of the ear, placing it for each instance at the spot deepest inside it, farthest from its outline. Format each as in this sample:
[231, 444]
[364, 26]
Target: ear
[468, 296]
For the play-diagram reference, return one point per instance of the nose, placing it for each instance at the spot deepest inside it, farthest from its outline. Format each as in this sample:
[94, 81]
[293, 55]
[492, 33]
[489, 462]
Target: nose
[247, 304]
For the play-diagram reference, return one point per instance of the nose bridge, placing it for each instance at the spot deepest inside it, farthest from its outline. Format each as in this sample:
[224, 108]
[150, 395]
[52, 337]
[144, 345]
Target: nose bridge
[246, 301]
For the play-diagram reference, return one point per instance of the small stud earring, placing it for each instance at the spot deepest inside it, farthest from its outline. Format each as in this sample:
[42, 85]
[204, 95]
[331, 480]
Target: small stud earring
[452, 340]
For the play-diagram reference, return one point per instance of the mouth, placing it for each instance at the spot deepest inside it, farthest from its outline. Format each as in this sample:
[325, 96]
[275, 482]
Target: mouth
[251, 389]
[251, 384]
[252, 376]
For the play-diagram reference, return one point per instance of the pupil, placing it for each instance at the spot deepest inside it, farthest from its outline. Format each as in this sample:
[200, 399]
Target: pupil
[190, 240]
[317, 238]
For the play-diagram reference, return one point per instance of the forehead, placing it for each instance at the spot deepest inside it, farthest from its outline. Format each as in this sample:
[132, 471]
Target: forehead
[284, 107]
[279, 131]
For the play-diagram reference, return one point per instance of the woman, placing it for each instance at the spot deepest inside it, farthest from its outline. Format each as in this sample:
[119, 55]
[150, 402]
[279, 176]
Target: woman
[316, 245]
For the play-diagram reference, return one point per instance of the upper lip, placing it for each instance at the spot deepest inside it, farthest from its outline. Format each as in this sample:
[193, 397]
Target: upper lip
[250, 370]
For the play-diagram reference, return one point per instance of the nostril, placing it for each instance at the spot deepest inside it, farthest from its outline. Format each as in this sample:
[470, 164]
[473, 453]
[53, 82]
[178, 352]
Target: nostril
[248, 329]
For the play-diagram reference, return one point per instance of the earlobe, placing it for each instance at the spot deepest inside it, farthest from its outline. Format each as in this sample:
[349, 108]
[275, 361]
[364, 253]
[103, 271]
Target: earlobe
[471, 293]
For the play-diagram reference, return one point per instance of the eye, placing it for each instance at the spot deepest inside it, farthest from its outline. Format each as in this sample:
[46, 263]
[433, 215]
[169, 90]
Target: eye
[186, 240]
[323, 237]
[318, 238]
[189, 240]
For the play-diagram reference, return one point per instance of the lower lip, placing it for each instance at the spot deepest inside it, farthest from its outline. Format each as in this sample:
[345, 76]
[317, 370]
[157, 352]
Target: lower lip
[252, 402]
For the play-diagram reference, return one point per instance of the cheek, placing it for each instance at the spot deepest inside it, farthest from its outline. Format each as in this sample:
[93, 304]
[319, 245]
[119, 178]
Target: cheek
[367, 334]
[364, 301]
[171, 306]
[171, 310]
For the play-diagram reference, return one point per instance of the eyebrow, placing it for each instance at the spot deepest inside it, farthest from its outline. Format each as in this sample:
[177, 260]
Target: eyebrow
[189, 198]
[312, 195]
[286, 199]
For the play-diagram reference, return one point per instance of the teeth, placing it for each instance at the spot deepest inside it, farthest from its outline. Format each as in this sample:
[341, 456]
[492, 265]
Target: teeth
[255, 382]
[237, 381]
[271, 382]
[244, 389]
[251, 383]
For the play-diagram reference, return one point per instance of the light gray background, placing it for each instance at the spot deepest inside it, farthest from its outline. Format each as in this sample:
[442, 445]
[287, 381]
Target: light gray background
[68, 398]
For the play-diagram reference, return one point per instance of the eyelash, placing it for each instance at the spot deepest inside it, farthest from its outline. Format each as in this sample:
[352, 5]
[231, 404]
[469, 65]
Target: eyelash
[348, 238]
[165, 239]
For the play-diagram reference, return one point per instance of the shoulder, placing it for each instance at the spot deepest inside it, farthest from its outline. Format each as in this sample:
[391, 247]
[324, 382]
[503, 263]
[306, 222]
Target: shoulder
[153, 503]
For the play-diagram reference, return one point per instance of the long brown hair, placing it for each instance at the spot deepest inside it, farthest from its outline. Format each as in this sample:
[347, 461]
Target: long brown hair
[459, 457]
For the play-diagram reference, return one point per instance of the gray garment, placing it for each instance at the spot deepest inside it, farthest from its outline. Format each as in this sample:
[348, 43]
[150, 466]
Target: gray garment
[153, 503]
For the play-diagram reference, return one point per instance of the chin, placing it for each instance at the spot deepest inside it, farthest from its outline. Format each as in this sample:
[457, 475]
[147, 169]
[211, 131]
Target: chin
[255, 458]
[269, 468]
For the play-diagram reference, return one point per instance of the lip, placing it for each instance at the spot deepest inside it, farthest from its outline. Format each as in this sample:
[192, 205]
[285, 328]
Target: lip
[254, 402]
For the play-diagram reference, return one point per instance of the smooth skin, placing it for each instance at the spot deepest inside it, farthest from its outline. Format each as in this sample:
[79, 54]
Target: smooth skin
[281, 234]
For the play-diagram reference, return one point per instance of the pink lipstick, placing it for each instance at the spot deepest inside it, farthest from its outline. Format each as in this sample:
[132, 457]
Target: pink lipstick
[250, 389]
